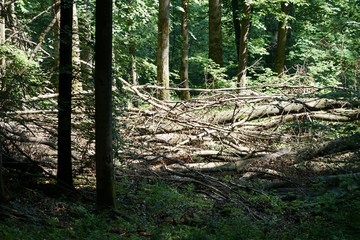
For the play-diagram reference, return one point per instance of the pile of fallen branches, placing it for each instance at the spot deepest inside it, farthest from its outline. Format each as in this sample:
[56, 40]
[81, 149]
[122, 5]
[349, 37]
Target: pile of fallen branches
[248, 132]
[28, 133]
[224, 130]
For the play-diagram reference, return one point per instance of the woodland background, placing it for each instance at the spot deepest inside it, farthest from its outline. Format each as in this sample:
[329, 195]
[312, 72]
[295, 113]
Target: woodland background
[256, 138]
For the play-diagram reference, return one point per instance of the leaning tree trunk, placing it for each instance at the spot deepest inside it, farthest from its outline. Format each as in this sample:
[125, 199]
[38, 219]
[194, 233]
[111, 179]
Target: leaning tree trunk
[184, 66]
[64, 173]
[163, 49]
[105, 191]
[281, 40]
[244, 39]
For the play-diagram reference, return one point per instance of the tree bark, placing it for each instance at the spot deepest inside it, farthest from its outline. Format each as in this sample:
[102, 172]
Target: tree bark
[86, 49]
[105, 192]
[163, 49]
[215, 36]
[64, 173]
[236, 22]
[132, 46]
[282, 40]
[244, 39]
[184, 66]
[77, 84]
[2, 41]
[56, 45]
[133, 72]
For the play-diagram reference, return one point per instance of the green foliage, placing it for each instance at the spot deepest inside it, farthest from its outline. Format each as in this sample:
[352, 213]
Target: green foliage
[207, 66]
[157, 210]
[23, 77]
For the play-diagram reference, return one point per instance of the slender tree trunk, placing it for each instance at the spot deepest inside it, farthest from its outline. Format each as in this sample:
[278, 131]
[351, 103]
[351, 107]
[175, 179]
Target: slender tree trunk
[86, 49]
[2, 59]
[105, 192]
[77, 85]
[2, 73]
[215, 36]
[132, 47]
[56, 45]
[133, 73]
[244, 39]
[64, 173]
[281, 41]
[163, 49]
[184, 66]
[236, 22]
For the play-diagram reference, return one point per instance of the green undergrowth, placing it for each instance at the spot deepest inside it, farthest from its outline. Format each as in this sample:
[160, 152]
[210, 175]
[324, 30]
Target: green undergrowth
[159, 210]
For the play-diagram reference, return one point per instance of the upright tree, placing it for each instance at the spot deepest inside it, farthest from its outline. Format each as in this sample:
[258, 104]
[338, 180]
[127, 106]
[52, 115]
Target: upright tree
[244, 39]
[77, 75]
[133, 78]
[2, 41]
[215, 36]
[236, 22]
[163, 49]
[184, 66]
[105, 193]
[64, 173]
[282, 39]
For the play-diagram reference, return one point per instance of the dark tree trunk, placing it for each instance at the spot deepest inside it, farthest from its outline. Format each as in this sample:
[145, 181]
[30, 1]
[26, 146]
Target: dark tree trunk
[281, 41]
[184, 66]
[236, 22]
[105, 192]
[215, 37]
[64, 173]
[244, 39]
[163, 49]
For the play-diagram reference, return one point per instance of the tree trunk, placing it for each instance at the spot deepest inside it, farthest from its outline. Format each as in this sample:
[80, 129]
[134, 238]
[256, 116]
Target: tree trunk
[281, 40]
[133, 73]
[184, 66]
[64, 173]
[244, 39]
[2, 74]
[105, 192]
[215, 37]
[236, 22]
[77, 85]
[2, 59]
[163, 49]
[56, 45]
[132, 46]
[86, 49]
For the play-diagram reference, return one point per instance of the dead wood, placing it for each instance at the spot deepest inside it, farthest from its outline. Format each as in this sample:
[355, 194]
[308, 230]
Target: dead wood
[349, 143]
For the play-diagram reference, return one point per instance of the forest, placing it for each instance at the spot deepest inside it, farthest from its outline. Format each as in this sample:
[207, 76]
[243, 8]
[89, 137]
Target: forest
[182, 119]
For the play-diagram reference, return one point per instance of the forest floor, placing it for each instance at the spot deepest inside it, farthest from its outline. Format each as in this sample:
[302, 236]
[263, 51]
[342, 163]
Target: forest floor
[221, 166]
